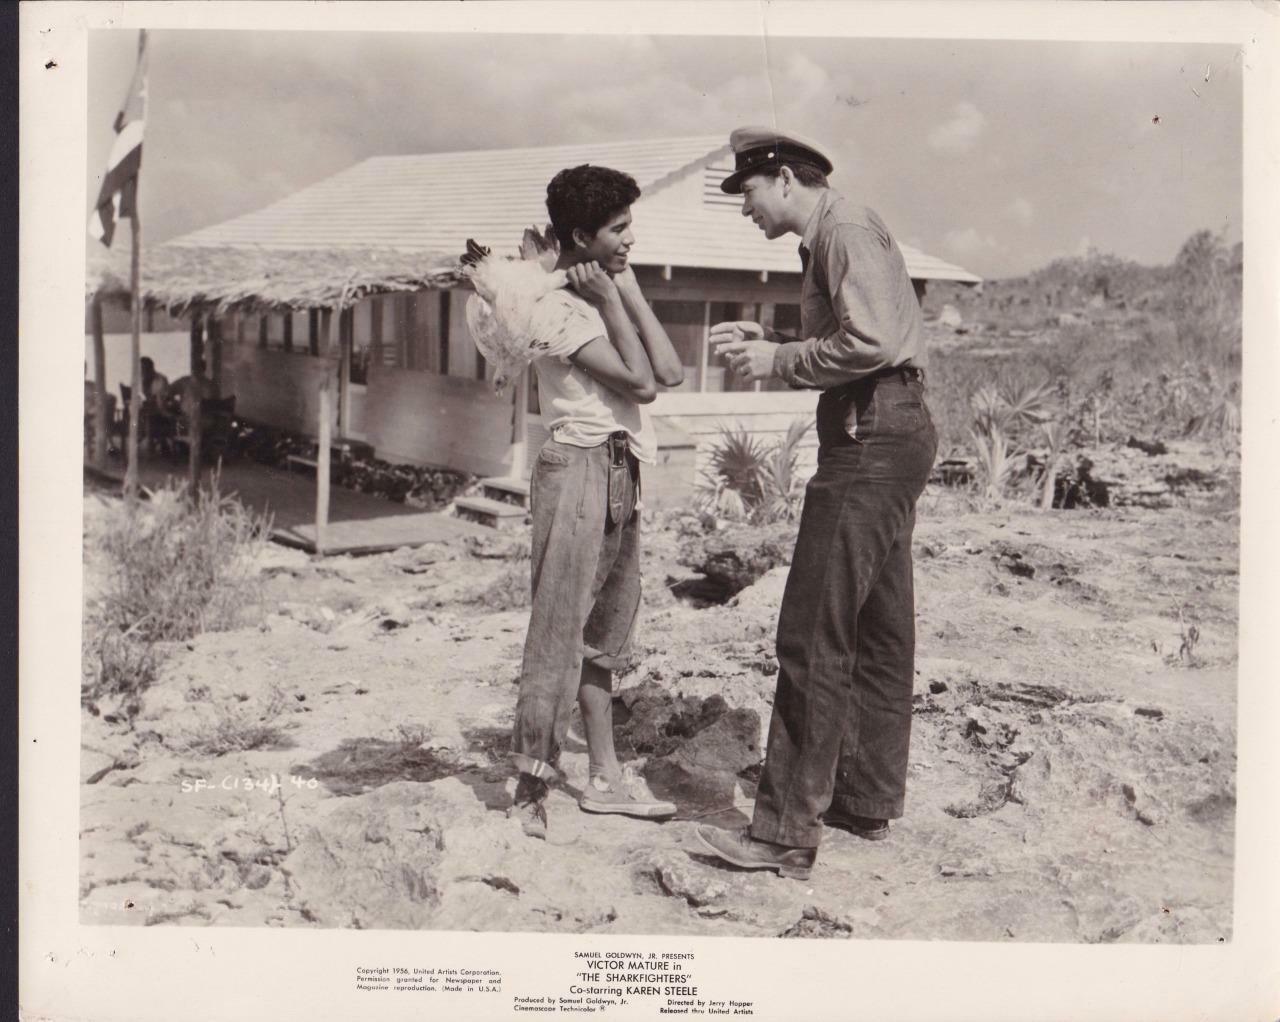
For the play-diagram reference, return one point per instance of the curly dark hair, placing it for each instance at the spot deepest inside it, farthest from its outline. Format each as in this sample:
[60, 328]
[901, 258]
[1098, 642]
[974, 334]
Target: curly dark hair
[586, 198]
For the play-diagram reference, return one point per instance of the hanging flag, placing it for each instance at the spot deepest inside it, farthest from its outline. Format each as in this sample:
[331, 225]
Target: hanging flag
[119, 192]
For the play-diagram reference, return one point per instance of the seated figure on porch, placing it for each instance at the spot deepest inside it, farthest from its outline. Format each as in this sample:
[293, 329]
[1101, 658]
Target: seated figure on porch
[601, 355]
[155, 421]
[155, 385]
[185, 390]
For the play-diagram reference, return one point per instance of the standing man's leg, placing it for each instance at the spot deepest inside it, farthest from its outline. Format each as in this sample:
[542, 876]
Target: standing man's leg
[567, 536]
[857, 518]
[607, 638]
[871, 774]
[842, 547]
[595, 700]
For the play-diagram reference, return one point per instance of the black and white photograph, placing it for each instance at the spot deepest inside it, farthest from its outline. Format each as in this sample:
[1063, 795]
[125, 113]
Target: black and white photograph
[653, 486]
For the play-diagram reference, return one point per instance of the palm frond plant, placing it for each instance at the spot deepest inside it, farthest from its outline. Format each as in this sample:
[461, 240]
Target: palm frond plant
[1054, 435]
[783, 488]
[747, 480]
[736, 465]
[1011, 407]
[1030, 403]
[997, 464]
[989, 409]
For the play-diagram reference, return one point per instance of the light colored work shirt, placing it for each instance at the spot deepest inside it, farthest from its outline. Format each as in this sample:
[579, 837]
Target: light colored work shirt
[577, 408]
[858, 308]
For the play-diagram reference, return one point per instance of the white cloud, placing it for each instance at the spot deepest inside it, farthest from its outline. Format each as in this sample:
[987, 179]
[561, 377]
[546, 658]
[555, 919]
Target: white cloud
[969, 241]
[807, 79]
[961, 131]
[1021, 210]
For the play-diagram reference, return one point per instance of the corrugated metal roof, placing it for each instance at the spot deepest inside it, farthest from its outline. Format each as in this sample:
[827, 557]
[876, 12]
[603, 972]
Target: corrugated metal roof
[719, 237]
[438, 200]
[434, 202]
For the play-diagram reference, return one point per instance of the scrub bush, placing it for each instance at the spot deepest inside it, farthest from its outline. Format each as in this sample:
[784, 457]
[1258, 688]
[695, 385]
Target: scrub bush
[181, 565]
[176, 566]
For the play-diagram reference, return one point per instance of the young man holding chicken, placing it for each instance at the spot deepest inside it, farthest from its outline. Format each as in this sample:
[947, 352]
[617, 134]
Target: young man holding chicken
[602, 355]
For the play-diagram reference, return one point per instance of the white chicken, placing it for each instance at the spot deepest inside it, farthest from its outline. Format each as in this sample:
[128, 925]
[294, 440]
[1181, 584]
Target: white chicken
[500, 313]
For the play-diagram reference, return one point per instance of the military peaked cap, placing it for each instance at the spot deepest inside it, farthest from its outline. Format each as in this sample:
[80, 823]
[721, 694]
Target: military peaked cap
[756, 149]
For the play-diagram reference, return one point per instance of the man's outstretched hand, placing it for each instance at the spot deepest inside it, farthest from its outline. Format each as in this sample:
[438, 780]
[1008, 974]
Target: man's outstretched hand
[741, 343]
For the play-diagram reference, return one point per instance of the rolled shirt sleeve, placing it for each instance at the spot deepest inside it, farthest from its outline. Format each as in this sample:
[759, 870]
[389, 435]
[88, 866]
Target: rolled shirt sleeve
[873, 305]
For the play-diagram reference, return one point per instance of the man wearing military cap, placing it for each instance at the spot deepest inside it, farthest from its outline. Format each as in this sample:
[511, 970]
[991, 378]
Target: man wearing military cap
[838, 738]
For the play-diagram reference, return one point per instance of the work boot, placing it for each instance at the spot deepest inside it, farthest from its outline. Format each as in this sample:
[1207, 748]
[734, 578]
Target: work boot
[868, 828]
[739, 848]
[627, 795]
[528, 806]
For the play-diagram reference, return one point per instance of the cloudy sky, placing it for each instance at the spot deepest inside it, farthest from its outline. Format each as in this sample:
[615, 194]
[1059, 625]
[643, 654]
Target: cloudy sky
[997, 155]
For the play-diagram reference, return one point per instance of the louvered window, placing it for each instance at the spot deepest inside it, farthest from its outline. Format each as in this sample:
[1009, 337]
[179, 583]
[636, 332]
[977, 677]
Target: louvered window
[711, 194]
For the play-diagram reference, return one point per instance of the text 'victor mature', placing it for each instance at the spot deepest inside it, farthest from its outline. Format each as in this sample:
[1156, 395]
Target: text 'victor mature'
[632, 964]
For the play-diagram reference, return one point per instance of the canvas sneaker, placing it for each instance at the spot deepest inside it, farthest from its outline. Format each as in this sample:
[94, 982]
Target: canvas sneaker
[627, 795]
[529, 806]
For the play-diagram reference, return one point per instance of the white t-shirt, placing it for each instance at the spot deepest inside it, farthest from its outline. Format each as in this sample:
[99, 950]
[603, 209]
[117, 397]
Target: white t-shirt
[577, 409]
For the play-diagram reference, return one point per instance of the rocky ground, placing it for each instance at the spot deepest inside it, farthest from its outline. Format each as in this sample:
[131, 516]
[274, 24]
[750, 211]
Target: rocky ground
[342, 764]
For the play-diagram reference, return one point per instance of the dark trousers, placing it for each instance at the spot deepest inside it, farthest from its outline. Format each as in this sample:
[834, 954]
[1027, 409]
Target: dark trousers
[841, 720]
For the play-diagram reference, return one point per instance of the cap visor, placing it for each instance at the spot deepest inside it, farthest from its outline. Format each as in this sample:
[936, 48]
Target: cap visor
[732, 185]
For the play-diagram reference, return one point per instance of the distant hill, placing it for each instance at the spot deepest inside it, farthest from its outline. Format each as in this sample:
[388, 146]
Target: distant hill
[1084, 286]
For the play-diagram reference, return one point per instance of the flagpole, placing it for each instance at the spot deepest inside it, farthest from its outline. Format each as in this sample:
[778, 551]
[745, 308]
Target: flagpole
[135, 356]
[135, 307]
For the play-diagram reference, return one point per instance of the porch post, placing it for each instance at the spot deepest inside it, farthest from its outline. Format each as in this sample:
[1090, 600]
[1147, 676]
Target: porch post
[214, 327]
[322, 464]
[706, 345]
[100, 423]
[197, 337]
[751, 311]
[346, 332]
[766, 321]
[333, 320]
[520, 427]
[190, 401]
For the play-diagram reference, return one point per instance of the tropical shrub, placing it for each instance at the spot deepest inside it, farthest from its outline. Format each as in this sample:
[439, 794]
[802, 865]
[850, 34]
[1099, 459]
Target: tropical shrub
[745, 480]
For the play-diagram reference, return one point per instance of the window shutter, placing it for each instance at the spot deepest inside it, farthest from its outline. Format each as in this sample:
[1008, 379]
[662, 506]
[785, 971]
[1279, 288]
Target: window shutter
[711, 195]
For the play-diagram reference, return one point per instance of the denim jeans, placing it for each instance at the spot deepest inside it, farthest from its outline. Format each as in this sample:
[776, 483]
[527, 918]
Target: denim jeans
[841, 720]
[585, 573]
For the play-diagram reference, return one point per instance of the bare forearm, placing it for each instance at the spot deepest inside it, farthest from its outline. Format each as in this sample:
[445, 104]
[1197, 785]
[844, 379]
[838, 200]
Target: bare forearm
[622, 333]
[667, 367]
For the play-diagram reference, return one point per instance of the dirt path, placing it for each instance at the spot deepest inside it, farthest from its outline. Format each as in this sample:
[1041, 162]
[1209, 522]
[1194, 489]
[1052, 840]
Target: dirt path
[1072, 771]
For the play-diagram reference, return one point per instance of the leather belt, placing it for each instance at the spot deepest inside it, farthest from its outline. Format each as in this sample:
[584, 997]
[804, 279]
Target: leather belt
[618, 447]
[907, 374]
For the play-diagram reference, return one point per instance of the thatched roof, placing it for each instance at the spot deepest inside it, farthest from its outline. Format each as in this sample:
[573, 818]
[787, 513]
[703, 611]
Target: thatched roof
[177, 277]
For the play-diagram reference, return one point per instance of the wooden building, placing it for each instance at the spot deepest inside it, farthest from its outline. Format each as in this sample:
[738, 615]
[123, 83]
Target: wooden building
[349, 278]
